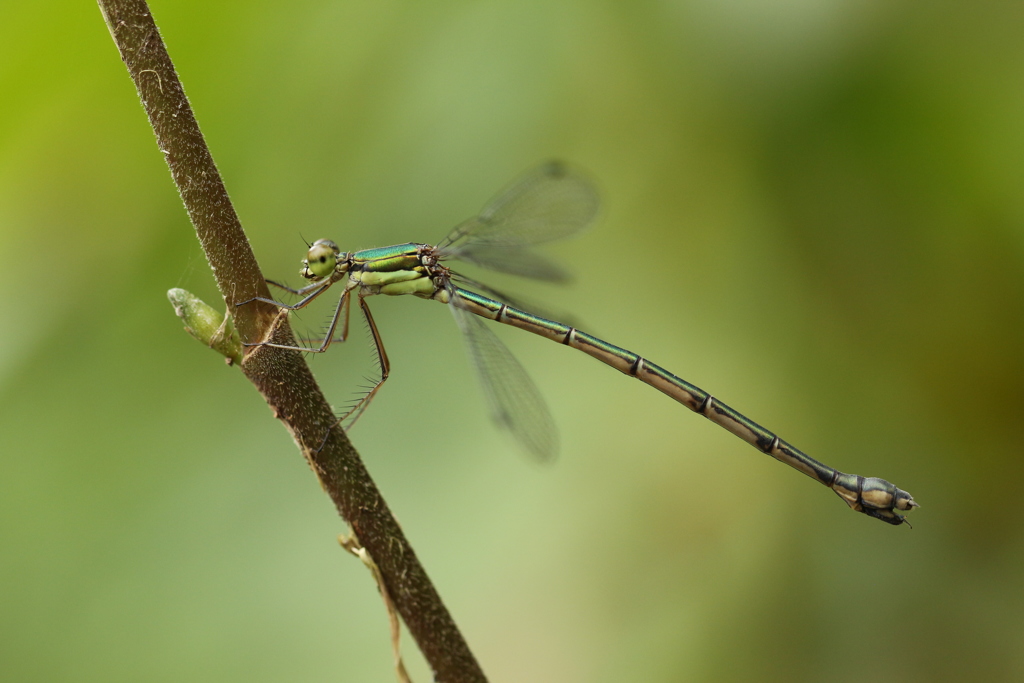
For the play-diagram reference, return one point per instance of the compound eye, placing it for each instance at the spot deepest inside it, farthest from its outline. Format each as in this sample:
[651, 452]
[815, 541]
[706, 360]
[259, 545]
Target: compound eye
[321, 260]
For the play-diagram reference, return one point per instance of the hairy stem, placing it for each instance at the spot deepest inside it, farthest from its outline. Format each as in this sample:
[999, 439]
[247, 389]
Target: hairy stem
[281, 376]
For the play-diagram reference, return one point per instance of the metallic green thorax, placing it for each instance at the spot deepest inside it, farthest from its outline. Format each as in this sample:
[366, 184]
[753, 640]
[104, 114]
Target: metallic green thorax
[387, 259]
[392, 271]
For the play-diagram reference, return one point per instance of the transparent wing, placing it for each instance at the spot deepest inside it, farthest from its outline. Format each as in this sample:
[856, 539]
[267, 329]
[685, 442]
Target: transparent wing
[514, 400]
[513, 260]
[549, 203]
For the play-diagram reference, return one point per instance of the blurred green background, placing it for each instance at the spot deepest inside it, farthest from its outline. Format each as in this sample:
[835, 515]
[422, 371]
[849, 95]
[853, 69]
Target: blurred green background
[812, 209]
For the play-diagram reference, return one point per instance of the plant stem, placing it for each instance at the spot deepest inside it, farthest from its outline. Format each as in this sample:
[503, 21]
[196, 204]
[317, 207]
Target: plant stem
[281, 376]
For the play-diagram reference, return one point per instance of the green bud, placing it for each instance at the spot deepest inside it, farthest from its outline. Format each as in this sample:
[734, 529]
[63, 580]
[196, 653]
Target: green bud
[207, 324]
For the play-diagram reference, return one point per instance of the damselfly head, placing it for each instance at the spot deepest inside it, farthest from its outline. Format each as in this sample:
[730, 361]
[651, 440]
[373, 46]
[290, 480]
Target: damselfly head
[322, 259]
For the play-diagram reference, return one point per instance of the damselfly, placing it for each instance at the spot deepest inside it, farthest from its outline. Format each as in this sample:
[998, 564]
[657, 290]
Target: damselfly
[547, 204]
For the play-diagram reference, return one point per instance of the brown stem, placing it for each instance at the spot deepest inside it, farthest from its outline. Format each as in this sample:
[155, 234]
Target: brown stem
[281, 376]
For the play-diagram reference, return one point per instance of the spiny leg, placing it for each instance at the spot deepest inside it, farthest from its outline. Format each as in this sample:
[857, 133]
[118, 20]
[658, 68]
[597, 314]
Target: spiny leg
[327, 334]
[382, 359]
[323, 287]
[301, 292]
[342, 309]
[356, 410]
